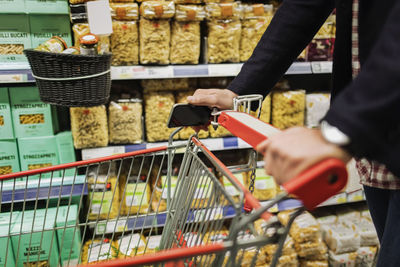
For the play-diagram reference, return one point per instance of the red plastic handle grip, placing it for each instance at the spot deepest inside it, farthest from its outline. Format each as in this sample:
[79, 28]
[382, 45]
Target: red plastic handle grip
[318, 183]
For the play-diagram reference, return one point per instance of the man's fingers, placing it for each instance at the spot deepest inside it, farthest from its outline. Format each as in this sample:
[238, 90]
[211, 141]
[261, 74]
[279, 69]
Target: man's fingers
[263, 146]
[203, 100]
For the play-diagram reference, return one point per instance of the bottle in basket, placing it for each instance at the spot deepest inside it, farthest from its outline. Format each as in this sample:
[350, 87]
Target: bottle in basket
[55, 44]
[73, 50]
[88, 44]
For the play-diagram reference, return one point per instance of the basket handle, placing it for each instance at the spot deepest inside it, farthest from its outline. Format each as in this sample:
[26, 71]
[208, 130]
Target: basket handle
[71, 78]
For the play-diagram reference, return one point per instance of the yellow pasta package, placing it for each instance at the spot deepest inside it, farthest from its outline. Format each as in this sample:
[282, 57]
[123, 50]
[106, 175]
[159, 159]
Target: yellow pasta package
[125, 43]
[152, 244]
[186, 132]
[288, 108]
[313, 249]
[264, 185]
[255, 11]
[307, 263]
[265, 115]
[305, 227]
[157, 9]
[223, 41]
[124, 11]
[99, 250]
[155, 36]
[219, 132]
[157, 107]
[168, 84]
[185, 42]
[160, 191]
[125, 121]
[135, 194]
[103, 197]
[252, 31]
[130, 245]
[223, 10]
[189, 13]
[89, 126]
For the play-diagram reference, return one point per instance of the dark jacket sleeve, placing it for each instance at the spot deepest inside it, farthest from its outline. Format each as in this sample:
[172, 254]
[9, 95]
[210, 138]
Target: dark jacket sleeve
[292, 28]
[368, 109]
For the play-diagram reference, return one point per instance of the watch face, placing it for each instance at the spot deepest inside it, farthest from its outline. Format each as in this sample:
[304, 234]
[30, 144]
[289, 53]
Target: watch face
[334, 135]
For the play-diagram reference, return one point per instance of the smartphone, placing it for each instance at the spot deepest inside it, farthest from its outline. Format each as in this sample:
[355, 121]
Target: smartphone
[188, 115]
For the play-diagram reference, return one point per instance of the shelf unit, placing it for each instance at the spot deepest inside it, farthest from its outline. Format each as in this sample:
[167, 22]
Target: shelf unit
[21, 72]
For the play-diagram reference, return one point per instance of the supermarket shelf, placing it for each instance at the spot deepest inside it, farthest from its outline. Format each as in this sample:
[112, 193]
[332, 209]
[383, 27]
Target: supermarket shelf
[48, 188]
[214, 144]
[21, 73]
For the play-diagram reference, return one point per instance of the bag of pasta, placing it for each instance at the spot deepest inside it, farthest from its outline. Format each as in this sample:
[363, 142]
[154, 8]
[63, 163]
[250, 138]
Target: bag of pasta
[154, 41]
[223, 41]
[152, 244]
[231, 189]
[219, 132]
[157, 9]
[157, 107]
[288, 108]
[99, 250]
[131, 245]
[103, 196]
[256, 11]
[265, 115]
[188, 1]
[305, 227]
[189, 13]
[160, 190]
[124, 11]
[223, 11]
[186, 132]
[89, 126]
[125, 43]
[136, 195]
[264, 185]
[125, 121]
[252, 31]
[185, 42]
[81, 29]
[168, 84]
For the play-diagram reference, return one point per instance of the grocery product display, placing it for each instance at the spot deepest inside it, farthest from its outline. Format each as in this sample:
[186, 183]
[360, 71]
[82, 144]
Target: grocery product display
[185, 42]
[125, 43]
[288, 108]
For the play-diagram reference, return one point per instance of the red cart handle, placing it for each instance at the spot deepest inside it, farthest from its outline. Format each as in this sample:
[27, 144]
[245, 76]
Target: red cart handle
[312, 187]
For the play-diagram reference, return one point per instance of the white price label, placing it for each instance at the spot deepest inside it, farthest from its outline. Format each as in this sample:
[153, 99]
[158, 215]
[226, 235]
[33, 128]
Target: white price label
[224, 69]
[99, 17]
[93, 153]
[321, 67]
[13, 78]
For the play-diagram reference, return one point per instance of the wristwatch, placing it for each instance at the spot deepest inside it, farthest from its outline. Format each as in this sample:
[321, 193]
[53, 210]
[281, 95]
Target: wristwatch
[333, 135]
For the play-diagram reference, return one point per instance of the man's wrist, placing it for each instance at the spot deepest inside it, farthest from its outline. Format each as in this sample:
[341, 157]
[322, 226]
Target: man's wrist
[334, 136]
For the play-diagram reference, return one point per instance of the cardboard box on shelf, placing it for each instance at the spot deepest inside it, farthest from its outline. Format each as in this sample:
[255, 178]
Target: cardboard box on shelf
[12, 6]
[7, 221]
[46, 6]
[43, 27]
[14, 37]
[8, 157]
[6, 129]
[66, 152]
[37, 246]
[31, 117]
[38, 152]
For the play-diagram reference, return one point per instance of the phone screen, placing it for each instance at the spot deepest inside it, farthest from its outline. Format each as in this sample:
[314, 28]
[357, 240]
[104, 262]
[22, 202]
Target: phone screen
[189, 115]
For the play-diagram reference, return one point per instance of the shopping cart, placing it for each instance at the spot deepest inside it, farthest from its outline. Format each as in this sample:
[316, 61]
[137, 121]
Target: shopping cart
[99, 210]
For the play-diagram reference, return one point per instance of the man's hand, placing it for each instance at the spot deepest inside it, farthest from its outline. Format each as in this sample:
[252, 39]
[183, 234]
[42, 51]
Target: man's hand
[292, 151]
[219, 98]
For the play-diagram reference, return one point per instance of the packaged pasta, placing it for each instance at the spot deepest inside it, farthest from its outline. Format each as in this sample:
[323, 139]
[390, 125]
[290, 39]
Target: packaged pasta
[81, 29]
[185, 42]
[160, 191]
[99, 250]
[189, 13]
[368, 236]
[153, 244]
[246, 255]
[203, 192]
[313, 249]
[154, 40]
[188, 1]
[136, 195]
[89, 126]
[220, 132]
[157, 108]
[340, 238]
[186, 132]
[252, 31]
[366, 256]
[264, 185]
[366, 214]
[265, 115]
[218, 1]
[223, 41]
[130, 245]
[231, 189]
[104, 196]
[124, 11]
[125, 43]
[157, 9]
[317, 104]
[305, 227]
[223, 11]
[328, 29]
[168, 84]
[307, 263]
[288, 109]
[342, 260]
[125, 121]
[327, 219]
[213, 82]
[255, 11]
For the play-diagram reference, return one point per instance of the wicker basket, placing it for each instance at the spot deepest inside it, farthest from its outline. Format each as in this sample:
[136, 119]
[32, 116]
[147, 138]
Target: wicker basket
[71, 80]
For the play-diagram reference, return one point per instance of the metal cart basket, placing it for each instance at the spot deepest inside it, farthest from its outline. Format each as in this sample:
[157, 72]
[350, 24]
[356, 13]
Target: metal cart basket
[137, 208]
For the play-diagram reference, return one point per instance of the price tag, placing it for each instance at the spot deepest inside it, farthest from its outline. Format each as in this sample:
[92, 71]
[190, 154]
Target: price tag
[224, 69]
[13, 78]
[321, 67]
[93, 153]
[122, 73]
[214, 143]
[99, 17]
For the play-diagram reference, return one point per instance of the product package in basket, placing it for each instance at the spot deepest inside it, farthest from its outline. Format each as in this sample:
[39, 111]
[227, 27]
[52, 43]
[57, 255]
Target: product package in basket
[155, 36]
[124, 11]
[340, 238]
[288, 108]
[125, 43]
[99, 250]
[136, 194]
[131, 245]
[89, 126]
[223, 41]
[125, 121]
[104, 196]
[157, 9]
[185, 42]
[305, 227]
